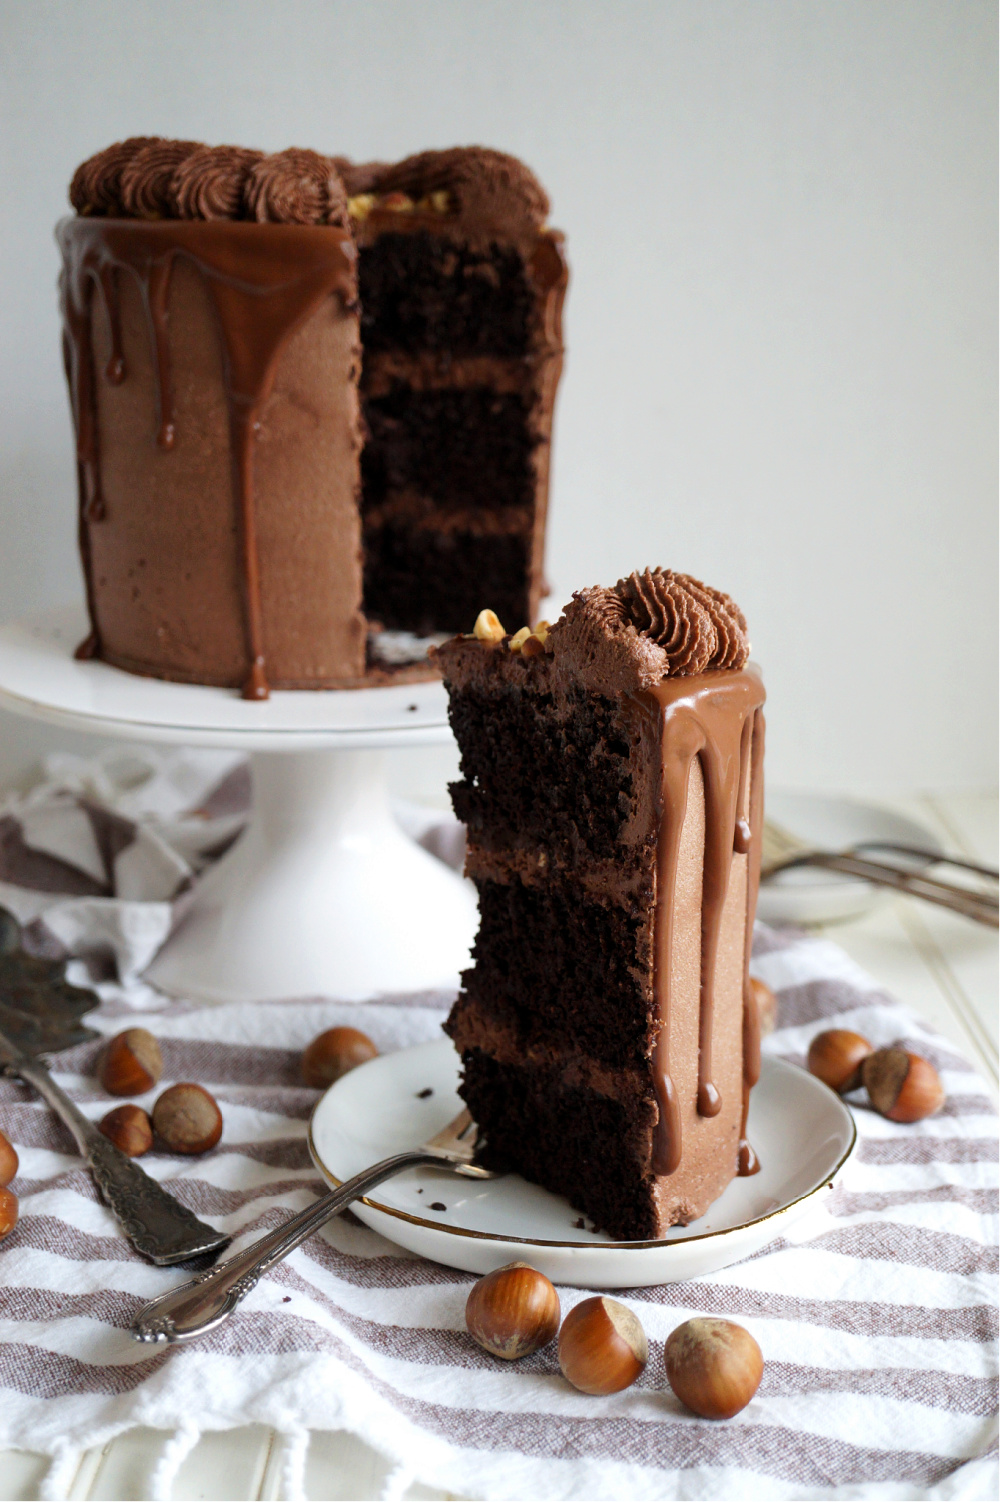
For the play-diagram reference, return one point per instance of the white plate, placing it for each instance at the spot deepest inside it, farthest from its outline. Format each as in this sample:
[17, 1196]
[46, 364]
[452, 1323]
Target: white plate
[805, 895]
[802, 1132]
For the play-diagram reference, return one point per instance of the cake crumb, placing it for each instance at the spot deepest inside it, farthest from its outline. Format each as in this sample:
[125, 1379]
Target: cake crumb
[423, 1094]
[287, 1299]
[579, 1224]
[437, 1205]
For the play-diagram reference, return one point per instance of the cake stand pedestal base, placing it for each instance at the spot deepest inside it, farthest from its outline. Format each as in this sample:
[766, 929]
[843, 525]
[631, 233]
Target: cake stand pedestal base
[323, 894]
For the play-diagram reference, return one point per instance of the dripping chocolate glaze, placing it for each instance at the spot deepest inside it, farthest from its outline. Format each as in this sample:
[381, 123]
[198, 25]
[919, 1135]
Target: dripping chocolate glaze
[265, 281]
[716, 718]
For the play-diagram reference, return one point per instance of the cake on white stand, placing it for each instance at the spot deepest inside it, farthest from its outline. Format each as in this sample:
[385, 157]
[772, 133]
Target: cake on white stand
[323, 894]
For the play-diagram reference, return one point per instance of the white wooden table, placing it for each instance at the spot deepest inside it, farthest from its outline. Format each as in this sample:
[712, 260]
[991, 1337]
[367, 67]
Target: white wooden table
[940, 965]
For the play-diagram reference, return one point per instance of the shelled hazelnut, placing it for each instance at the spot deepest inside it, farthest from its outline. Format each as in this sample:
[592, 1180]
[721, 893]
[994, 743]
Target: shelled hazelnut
[8, 1212]
[334, 1053]
[767, 1005]
[512, 1311]
[132, 1063]
[488, 627]
[902, 1085]
[602, 1346]
[187, 1119]
[519, 638]
[836, 1057]
[129, 1128]
[8, 1160]
[714, 1366]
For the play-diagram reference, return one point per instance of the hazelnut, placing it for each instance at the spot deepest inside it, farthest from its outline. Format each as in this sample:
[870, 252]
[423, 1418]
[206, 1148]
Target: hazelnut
[361, 205]
[438, 202]
[533, 647]
[488, 627]
[187, 1119]
[767, 1005]
[519, 638]
[8, 1212]
[836, 1057]
[902, 1085]
[397, 203]
[542, 631]
[513, 1311]
[713, 1366]
[602, 1346]
[132, 1063]
[333, 1053]
[129, 1128]
[8, 1160]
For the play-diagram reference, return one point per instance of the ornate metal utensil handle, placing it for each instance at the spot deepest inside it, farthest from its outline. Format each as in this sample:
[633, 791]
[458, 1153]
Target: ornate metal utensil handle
[205, 1302]
[157, 1225]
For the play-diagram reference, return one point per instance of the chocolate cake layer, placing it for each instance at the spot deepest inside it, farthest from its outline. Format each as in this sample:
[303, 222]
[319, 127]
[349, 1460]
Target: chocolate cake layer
[216, 301]
[611, 780]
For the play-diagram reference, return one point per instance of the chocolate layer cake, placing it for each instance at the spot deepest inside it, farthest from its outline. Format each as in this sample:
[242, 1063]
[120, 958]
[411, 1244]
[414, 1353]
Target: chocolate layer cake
[247, 517]
[612, 789]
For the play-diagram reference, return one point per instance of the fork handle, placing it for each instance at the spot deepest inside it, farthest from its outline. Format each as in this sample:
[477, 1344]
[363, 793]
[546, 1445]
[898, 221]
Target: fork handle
[975, 905]
[206, 1301]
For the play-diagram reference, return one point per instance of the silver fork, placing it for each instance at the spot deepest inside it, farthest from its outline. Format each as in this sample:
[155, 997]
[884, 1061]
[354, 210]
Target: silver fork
[207, 1301]
[783, 850]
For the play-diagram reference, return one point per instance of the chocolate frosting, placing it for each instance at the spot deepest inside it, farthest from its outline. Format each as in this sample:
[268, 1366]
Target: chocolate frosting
[651, 626]
[145, 184]
[487, 186]
[96, 186]
[296, 187]
[210, 182]
[492, 196]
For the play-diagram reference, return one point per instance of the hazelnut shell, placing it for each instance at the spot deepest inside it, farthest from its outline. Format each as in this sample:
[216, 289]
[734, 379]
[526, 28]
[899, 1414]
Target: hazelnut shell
[513, 1311]
[8, 1212]
[713, 1366]
[602, 1346]
[129, 1128]
[767, 1005]
[9, 1161]
[836, 1057]
[334, 1053]
[901, 1085]
[187, 1119]
[132, 1063]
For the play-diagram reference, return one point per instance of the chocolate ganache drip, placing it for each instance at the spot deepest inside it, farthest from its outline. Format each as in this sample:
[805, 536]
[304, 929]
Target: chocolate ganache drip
[700, 629]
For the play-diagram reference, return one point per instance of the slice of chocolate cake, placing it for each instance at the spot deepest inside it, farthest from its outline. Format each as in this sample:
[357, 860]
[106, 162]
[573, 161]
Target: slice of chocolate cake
[613, 794]
[216, 301]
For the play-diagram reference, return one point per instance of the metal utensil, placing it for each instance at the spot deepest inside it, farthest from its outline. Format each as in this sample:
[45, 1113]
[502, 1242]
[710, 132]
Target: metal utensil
[782, 851]
[206, 1301]
[157, 1225]
[40, 1012]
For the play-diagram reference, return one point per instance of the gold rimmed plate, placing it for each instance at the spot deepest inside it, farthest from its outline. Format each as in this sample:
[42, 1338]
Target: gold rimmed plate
[802, 1132]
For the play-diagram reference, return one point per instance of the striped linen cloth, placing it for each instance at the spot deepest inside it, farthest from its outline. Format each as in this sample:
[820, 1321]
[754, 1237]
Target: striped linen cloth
[876, 1314]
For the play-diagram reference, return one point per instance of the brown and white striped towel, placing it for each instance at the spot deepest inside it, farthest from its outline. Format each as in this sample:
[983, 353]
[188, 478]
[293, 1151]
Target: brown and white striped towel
[876, 1315]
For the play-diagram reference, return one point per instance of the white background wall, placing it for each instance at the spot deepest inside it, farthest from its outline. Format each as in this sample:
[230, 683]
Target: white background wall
[781, 326]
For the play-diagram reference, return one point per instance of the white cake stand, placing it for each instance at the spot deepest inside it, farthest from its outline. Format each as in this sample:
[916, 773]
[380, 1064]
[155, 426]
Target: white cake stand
[323, 894]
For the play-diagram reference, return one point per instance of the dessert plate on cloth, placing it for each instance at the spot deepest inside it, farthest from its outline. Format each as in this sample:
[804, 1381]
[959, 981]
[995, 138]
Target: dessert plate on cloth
[807, 894]
[802, 1132]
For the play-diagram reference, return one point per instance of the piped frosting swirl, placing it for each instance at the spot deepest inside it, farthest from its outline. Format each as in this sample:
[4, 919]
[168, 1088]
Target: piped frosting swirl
[210, 182]
[296, 187]
[699, 628]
